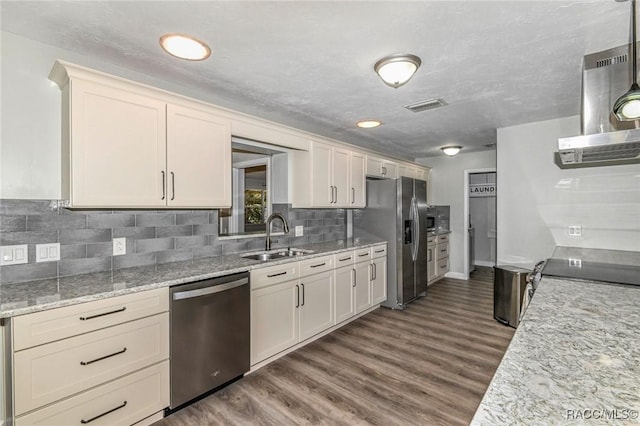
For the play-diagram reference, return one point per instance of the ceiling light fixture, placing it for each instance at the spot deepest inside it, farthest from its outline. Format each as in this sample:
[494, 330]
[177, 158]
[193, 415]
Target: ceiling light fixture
[368, 124]
[396, 70]
[627, 107]
[185, 47]
[451, 150]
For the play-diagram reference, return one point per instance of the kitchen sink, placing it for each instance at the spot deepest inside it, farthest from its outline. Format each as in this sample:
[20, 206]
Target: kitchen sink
[276, 254]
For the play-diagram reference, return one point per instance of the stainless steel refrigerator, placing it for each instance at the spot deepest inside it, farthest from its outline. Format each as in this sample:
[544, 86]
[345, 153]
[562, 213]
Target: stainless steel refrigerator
[397, 211]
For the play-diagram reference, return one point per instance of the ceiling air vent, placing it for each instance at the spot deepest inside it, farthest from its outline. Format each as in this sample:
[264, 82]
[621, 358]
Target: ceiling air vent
[425, 105]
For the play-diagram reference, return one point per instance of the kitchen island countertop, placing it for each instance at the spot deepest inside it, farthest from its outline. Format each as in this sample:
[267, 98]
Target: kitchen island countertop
[575, 357]
[33, 296]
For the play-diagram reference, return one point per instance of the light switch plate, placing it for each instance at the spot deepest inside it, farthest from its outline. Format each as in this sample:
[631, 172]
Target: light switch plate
[119, 246]
[299, 231]
[14, 255]
[47, 252]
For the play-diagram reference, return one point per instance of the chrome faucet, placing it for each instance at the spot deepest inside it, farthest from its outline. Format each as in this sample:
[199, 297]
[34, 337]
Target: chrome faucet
[267, 243]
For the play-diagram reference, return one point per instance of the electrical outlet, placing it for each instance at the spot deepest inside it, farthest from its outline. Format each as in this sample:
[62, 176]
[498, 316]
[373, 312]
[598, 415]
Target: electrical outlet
[576, 263]
[119, 246]
[575, 230]
[299, 231]
[14, 255]
[47, 252]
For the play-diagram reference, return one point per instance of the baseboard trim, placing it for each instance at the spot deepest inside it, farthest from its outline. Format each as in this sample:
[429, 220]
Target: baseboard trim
[484, 263]
[456, 275]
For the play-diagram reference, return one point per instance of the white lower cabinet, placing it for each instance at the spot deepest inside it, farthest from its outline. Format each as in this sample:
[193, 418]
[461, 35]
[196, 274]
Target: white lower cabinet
[274, 319]
[294, 302]
[379, 280]
[124, 401]
[344, 294]
[316, 304]
[362, 293]
[102, 362]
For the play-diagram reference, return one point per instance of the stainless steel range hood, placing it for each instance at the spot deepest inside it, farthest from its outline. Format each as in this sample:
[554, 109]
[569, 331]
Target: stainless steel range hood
[605, 141]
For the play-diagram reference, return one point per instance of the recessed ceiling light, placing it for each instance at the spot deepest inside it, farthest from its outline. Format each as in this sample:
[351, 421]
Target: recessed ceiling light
[368, 124]
[185, 47]
[451, 150]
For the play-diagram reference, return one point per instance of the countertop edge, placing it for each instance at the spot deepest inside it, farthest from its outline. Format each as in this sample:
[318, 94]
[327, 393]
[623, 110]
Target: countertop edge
[9, 313]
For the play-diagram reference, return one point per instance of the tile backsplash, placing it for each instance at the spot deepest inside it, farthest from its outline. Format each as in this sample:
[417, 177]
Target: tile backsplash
[161, 236]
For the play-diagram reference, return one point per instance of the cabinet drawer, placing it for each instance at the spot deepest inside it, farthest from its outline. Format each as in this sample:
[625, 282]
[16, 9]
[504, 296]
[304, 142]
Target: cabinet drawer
[50, 372]
[344, 259]
[431, 240]
[145, 392]
[442, 251]
[55, 324]
[315, 265]
[379, 251]
[443, 238]
[363, 255]
[443, 266]
[273, 274]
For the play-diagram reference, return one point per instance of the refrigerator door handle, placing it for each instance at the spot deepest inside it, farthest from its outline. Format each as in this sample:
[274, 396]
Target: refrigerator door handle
[416, 218]
[412, 218]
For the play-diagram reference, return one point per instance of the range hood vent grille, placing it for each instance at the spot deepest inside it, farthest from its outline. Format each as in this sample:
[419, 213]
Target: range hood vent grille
[619, 59]
[426, 105]
[611, 153]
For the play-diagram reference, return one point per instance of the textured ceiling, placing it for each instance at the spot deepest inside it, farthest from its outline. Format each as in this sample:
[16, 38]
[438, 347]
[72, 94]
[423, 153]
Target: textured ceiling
[310, 64]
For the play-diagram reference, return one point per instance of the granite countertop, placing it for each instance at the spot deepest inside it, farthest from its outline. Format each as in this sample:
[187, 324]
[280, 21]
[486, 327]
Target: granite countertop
[439, 232]
[574, 359]
[23, 298]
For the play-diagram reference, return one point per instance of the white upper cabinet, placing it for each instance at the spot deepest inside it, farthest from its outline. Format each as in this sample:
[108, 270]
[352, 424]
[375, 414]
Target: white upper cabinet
[116, 147]
[379, 167]
[328, 176]
[126, 145]
[198, 158]
[358, 186]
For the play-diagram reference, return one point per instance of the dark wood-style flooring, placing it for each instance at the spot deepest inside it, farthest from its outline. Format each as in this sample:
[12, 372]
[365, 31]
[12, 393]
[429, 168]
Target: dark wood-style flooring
[427, 365]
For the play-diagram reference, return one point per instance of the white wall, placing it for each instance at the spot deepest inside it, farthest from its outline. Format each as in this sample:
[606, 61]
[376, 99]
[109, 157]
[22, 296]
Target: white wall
[447, 188]
[537, 201]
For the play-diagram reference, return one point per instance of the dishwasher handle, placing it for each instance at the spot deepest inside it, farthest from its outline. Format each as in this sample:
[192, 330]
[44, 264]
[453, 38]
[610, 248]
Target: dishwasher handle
[181, 295]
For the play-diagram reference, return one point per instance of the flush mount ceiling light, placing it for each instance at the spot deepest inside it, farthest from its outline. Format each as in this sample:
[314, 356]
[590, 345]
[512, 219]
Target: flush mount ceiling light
[185, 47]
[451, 150]
[627, 107]
[396, 70]
[368, 124]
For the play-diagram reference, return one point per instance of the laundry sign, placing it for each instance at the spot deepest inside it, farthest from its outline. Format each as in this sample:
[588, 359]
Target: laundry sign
[482, 190]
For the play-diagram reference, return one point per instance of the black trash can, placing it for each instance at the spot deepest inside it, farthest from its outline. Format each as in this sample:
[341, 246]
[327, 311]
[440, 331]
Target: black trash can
[509, 283]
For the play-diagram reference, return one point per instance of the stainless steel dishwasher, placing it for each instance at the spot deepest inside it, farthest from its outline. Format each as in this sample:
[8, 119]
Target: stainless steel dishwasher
[210, 333]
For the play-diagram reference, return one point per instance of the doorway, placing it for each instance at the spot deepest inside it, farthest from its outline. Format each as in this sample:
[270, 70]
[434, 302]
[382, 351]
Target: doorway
[480, 219]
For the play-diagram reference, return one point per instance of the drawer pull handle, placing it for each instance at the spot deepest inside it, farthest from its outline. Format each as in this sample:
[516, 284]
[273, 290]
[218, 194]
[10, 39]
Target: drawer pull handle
[84, 422]
[344, 258]
[103, 357]
[318, 265]
[363, 254]
[101, 315]
[443, 251]
[380, 251]
[276, 275]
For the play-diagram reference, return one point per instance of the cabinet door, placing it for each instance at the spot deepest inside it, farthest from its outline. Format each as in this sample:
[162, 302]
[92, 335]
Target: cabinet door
[117, 148]
[432, 271]
[374, 167]
[274, 319]
[316, 304]
[379, 281]
[344, 292]
[390, 169]
[321, 182]
[341, 177]
[358, 188]
[198, 159]
[363, 287]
